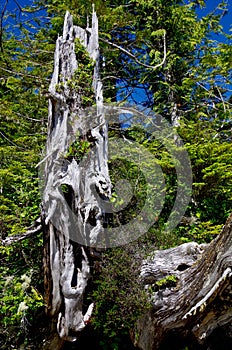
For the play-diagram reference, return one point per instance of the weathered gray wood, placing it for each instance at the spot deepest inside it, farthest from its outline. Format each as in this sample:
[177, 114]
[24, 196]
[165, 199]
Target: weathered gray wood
[198, 303]
[74, 221]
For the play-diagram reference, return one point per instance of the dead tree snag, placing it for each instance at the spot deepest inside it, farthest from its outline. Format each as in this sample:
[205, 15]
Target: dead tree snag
[74, 175]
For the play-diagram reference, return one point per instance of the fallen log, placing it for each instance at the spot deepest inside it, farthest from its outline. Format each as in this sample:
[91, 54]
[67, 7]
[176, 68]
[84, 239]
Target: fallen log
[190, 290]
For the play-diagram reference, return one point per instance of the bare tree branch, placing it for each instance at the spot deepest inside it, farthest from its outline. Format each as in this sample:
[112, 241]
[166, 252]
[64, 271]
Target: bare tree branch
[218, 98]
[223, 102]
[24, 74]
[20, 237]
[128, 53]
[11, 142]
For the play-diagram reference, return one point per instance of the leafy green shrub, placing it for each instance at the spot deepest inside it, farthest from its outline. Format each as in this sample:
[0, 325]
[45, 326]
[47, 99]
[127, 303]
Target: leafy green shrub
[20, 300]
[21, 285]
[119, 297]
[200, 232]
[78, 149]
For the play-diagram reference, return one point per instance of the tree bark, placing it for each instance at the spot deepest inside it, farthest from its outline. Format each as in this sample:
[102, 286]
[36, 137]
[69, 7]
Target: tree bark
[73, 217]
[196, 301]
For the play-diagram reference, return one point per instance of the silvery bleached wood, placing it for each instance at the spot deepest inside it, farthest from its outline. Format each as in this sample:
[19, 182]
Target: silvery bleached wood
[74, 221]
[197, 303]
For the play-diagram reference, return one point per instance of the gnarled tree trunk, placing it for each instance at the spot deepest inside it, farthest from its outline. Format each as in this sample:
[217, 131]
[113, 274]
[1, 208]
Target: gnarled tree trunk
[74, 175]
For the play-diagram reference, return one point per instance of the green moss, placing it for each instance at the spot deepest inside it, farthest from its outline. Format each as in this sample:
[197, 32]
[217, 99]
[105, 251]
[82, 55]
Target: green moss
[64, 188]
[166, 282]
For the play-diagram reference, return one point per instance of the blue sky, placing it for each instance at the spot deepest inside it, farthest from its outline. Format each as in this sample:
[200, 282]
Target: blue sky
[225, 21]
[210, 5]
